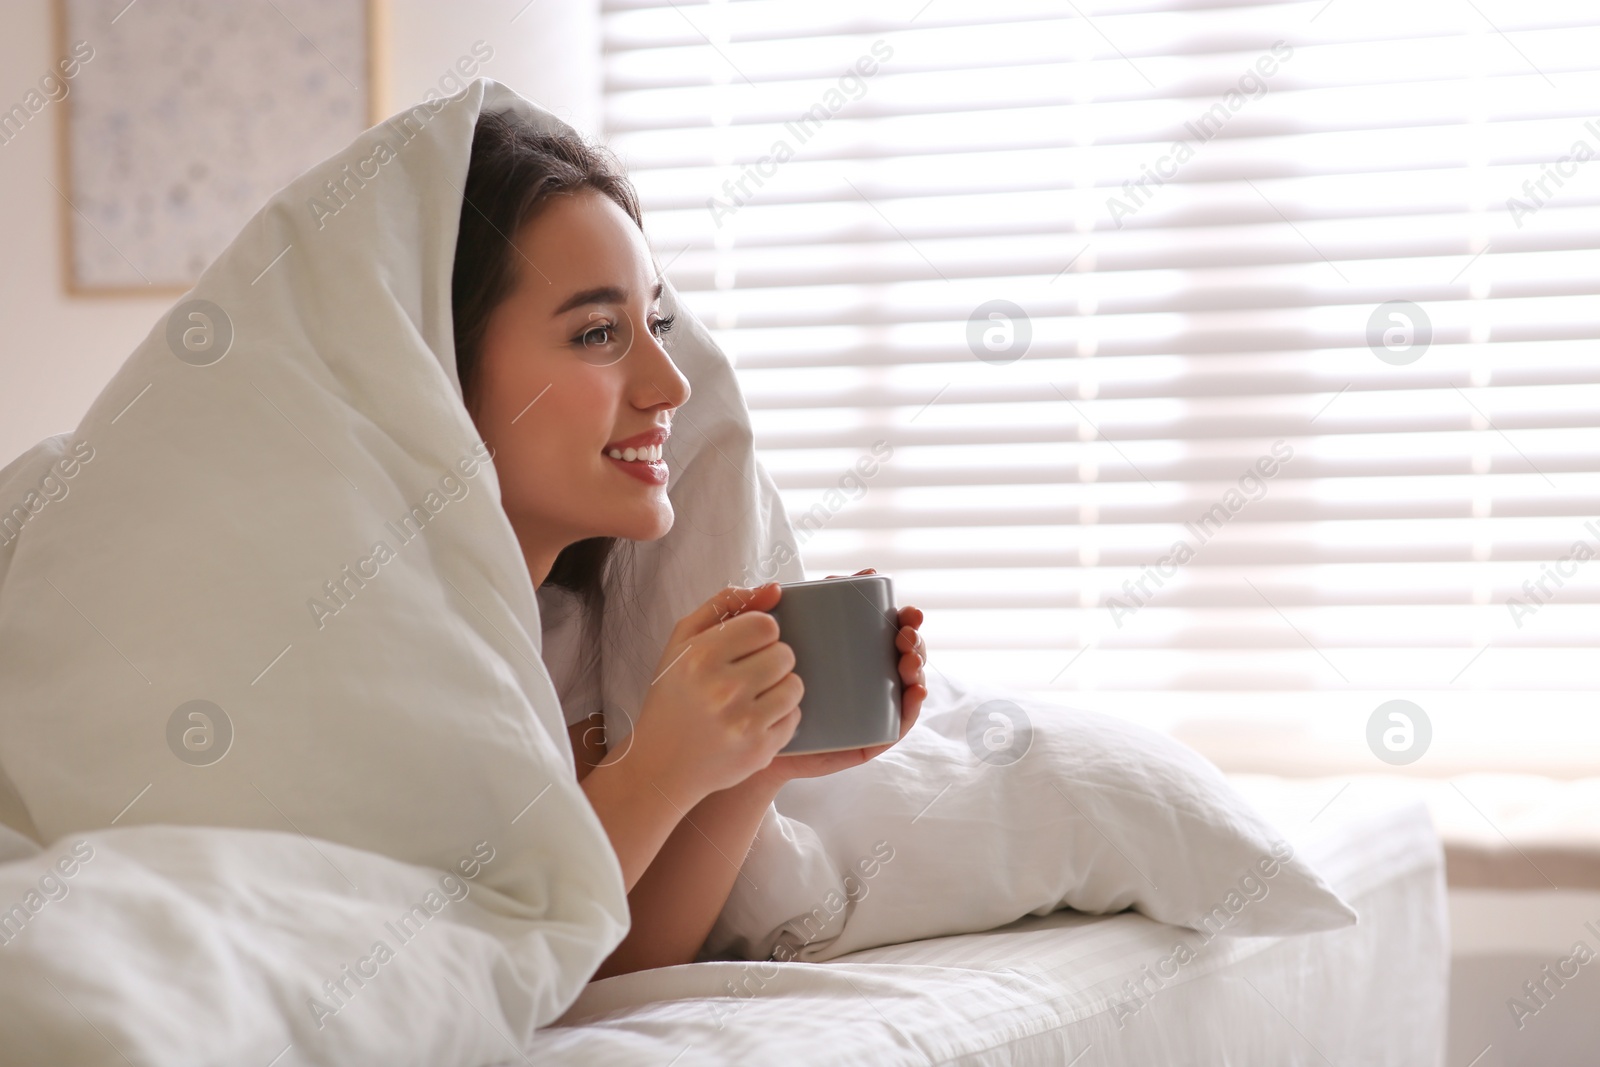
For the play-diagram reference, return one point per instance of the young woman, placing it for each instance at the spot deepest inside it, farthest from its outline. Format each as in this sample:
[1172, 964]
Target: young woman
[557, 304]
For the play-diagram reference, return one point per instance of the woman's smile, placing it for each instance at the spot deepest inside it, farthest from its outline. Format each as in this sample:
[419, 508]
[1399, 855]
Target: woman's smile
[641, 455]
[653, 472]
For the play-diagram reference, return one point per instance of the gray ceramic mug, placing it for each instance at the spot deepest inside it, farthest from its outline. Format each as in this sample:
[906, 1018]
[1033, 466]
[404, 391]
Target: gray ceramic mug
[842, 631]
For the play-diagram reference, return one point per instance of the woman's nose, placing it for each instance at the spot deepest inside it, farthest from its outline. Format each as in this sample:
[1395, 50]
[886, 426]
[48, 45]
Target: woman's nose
[658, 379]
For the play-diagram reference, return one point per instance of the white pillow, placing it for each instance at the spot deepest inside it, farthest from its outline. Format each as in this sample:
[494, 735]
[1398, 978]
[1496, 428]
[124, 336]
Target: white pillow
[969, 823]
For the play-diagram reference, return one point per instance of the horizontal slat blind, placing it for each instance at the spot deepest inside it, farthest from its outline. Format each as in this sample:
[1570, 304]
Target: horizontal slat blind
[1199, 490]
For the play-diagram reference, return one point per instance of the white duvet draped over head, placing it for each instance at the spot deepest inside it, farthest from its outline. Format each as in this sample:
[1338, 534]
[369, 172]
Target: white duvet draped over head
[266, 588]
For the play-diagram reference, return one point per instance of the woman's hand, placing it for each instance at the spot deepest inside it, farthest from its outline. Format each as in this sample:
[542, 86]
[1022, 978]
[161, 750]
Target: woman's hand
[724, 700]
[913, 657]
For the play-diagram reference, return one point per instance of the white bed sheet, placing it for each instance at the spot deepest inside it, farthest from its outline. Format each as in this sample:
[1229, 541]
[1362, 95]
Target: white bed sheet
[1045, 990]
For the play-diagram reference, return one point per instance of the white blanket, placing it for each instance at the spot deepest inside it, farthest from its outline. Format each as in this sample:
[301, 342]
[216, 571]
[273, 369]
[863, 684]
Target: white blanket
[273, 735]
[176, 945]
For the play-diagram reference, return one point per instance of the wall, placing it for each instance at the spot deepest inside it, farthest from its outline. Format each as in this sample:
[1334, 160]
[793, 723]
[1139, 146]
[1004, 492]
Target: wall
[58, 351]
[1503, 940]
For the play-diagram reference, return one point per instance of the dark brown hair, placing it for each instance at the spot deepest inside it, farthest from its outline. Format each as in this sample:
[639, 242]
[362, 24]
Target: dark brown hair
[514, 171]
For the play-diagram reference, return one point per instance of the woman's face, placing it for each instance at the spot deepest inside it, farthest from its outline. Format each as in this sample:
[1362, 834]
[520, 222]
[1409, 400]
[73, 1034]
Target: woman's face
[572, 369]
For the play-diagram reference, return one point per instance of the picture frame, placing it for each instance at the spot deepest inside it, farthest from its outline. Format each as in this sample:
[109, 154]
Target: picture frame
[182, 119]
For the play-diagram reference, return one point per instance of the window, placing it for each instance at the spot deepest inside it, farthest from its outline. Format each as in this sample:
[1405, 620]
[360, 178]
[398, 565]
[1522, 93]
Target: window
[1236, 363]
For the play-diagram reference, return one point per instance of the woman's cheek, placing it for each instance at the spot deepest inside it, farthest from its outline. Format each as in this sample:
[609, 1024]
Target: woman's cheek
[592, 402]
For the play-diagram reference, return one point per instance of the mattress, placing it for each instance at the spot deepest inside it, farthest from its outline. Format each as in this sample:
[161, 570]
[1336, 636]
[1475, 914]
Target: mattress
[1068, 988]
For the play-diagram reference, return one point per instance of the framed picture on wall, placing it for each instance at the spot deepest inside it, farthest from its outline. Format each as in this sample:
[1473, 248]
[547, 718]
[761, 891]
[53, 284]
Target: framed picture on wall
[181, 118]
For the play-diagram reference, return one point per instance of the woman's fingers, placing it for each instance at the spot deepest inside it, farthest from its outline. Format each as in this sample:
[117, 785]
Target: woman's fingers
[727, 604]
[909, 640]
[913, 657]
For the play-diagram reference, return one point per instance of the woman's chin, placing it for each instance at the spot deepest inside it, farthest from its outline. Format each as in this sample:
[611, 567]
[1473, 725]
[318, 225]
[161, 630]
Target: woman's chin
[652, 523]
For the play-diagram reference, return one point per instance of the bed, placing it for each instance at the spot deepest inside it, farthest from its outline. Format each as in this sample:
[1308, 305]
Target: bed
[235, 866]
[1055, 989]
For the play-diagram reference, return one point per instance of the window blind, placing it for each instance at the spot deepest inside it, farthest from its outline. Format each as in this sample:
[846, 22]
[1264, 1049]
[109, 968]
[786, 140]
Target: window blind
[1231, 366]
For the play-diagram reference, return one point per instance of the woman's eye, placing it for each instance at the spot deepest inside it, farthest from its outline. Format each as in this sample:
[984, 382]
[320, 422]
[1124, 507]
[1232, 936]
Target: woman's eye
[604, 333]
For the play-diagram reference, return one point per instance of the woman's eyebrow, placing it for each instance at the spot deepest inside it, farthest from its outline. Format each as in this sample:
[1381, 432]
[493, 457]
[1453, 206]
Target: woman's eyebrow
[605, 294]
